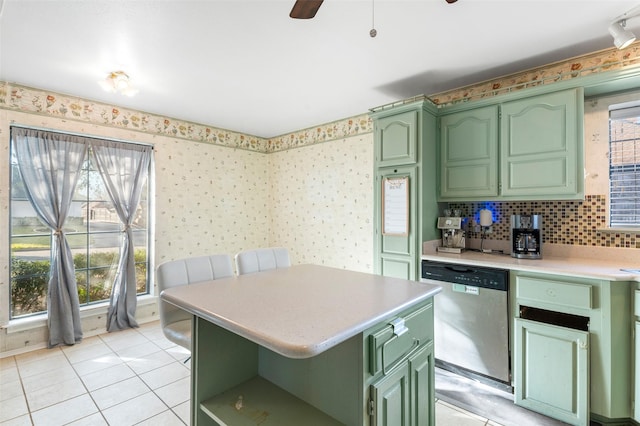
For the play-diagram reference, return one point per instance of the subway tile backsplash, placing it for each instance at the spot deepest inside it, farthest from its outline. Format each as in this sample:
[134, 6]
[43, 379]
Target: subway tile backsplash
[564, 222]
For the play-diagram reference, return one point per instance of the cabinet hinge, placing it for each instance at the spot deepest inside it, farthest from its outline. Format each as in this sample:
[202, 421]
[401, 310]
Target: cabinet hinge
[371, 407]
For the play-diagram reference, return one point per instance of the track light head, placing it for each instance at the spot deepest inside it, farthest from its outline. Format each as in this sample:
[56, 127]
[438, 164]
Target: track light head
[622, 37]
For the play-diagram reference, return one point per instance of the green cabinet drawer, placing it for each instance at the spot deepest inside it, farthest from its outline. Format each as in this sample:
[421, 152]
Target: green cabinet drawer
[388, 349]
[554, 292]
[636, 303]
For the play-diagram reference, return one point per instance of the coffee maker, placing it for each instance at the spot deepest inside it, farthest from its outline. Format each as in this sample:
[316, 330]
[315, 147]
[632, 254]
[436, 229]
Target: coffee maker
[526, 236]
[452, 234]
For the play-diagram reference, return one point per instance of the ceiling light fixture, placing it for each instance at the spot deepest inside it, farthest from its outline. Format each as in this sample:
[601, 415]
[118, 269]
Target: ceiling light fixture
[622, 37]
[118, 82]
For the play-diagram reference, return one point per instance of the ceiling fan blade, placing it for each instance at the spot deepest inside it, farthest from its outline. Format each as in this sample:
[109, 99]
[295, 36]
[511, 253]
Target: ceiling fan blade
[305, 9]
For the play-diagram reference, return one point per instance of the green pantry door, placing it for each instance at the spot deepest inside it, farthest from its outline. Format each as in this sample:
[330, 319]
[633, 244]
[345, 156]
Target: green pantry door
[397, 250]
[405, 149]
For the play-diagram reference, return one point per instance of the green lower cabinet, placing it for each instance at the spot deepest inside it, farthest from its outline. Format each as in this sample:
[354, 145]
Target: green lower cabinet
[390, 399]
[377, 377]
[421, 366]
[400, 376]
[636, 411]
[636, 343]
[402, 397]
[581, 367]
[551, 374]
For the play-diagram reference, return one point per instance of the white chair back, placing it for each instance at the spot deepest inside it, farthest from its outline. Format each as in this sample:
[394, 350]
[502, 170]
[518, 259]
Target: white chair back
[175, 322]
[263, 259]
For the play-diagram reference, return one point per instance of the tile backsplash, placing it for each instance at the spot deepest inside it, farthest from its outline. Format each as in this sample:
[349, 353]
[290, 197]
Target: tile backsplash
[564, 222]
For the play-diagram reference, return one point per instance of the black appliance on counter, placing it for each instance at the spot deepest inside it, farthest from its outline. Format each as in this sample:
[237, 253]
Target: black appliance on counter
[526, 236]
[471, 319]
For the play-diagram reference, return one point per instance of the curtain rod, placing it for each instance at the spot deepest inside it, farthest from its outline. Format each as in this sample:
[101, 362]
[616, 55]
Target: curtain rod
[45, 129]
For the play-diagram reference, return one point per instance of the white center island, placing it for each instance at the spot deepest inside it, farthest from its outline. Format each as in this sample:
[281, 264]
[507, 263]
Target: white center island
[310, 345]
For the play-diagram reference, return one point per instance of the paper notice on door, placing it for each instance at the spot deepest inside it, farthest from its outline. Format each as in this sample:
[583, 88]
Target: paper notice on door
[395, 206]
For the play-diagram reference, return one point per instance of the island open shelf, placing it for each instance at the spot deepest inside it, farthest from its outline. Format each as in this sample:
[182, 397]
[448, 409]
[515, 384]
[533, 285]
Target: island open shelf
[258, 401]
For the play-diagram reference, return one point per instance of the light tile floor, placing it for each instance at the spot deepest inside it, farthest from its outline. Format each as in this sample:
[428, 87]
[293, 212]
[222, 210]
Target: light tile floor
[131, 377]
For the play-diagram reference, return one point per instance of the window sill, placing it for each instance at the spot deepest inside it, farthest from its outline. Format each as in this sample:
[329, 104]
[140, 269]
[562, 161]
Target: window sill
[38, 321]
[619, 230]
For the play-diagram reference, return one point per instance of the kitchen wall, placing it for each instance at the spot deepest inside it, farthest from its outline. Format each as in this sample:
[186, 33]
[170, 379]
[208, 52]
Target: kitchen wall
[321, 202]
[209, 198]
[216, 191]
[219, 191]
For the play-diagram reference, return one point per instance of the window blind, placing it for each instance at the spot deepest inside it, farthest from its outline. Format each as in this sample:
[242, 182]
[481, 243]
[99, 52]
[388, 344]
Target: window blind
[624, 167]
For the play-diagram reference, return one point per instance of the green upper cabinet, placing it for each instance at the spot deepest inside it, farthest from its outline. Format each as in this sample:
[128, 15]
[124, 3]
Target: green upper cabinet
[397, 138]
[469, 153]
[525, 149]
[542, 149]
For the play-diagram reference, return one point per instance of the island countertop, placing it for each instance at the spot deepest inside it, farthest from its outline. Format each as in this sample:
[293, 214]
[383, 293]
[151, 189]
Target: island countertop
[299, 311]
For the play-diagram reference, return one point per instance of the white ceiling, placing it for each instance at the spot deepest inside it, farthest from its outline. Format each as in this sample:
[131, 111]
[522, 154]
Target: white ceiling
[246, 66]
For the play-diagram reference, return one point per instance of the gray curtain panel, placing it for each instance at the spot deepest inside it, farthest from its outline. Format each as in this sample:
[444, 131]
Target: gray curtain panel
[124, 171]
[50, 164]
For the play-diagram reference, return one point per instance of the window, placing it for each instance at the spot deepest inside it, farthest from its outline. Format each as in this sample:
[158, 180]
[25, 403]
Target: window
[94, 233]
[624, 166]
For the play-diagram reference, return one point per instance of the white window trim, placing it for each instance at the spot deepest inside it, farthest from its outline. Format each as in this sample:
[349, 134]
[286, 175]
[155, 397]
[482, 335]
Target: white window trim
[40, 320]
[613, 230]
[619, 111]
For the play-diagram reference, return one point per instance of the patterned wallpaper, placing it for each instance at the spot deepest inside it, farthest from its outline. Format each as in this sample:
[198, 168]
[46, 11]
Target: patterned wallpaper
[222, 191]
[209, 200]
[205, 190]
[321, 202]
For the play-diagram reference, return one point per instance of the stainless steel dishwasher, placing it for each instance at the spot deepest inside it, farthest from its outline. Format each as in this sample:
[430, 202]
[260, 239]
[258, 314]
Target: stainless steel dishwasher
[471, 319]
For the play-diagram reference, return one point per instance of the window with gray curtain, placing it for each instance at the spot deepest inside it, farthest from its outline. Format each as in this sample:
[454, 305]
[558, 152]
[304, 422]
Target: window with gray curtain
[95, 227]
[624, 166]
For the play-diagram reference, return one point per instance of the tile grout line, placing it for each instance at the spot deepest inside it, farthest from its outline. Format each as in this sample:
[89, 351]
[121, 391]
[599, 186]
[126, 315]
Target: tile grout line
[84, 385]
[153, 390]
[174, 359]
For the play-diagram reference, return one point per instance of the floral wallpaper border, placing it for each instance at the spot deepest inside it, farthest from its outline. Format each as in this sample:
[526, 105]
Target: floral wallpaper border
[41, 101]
[605, 60]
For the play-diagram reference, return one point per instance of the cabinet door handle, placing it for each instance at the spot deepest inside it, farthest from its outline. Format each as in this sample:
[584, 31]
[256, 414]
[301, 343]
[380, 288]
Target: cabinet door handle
[407, 354]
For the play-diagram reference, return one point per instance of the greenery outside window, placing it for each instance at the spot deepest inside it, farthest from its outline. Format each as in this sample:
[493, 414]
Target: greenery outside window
[94, 233]
[624, 166]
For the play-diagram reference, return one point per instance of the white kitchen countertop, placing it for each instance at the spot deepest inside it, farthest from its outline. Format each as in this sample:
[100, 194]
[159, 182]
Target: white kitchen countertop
[299, 311]
[594, 263]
